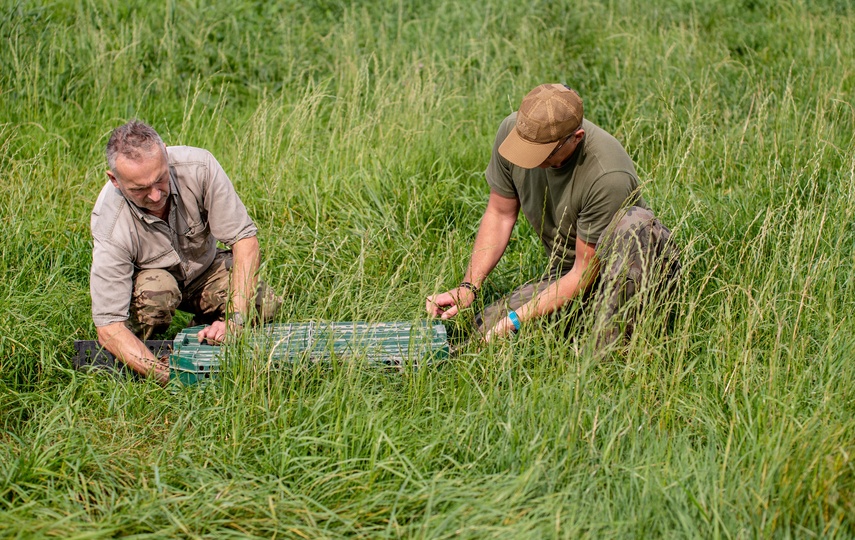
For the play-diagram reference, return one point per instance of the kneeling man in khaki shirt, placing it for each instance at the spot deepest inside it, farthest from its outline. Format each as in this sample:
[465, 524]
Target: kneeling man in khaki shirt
[155, 228]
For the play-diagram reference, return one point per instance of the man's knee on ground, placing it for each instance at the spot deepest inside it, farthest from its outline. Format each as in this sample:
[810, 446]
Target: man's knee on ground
[267, 302]
[638, 264]
[636, 247]
[155, 298]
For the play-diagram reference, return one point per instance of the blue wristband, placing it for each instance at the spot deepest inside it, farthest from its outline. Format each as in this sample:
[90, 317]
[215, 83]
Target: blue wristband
[512, 315]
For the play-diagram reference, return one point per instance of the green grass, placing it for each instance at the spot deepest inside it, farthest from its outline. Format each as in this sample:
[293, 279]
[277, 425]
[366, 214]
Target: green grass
[357, 135]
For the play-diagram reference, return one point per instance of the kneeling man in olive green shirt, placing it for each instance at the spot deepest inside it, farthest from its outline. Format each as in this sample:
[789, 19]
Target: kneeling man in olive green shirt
[578, 188]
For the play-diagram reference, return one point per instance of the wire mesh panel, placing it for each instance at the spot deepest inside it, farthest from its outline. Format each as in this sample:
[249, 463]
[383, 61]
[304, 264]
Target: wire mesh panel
[391, 343]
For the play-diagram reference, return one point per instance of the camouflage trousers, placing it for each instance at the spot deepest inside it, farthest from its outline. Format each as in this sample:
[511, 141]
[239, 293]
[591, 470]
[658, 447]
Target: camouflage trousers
[638, 264]
[157, 295]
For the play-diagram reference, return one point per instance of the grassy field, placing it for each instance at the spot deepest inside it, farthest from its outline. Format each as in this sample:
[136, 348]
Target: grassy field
[357, 135]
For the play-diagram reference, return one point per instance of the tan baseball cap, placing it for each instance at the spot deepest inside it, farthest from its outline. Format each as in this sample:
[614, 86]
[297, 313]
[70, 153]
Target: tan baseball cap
[547, 115]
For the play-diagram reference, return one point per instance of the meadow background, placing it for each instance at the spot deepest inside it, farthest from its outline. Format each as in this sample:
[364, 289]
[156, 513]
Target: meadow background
[357, 134]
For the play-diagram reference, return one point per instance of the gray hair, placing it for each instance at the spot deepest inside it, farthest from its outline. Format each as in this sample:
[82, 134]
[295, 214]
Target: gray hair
[132, 140]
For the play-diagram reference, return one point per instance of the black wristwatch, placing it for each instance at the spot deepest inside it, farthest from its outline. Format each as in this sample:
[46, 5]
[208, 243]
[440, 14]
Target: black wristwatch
[237, 318]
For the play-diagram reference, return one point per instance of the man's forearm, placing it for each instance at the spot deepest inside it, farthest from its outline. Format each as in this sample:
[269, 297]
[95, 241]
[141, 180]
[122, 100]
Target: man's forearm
[554, 297]
[490, 243]
[486, 252]
[244, 278]
[559, 293]
[125, 346]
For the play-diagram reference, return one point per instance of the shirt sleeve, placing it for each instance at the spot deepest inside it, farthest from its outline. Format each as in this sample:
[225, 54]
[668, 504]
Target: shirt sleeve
[498, 173]
[606, 196]
[227, 215]
[110, 283]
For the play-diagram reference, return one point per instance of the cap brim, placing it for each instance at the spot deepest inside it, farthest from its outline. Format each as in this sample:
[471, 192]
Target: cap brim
[523, 153]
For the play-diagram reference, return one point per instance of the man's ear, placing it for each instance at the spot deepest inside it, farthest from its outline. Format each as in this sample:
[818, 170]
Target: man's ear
[578, 135]
[112, 178]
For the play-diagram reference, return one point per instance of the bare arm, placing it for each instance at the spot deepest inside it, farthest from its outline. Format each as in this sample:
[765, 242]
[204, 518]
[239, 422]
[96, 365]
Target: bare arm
[125, 346]
[581, 276]
[490, 243]
[244, 274]
[244, 280]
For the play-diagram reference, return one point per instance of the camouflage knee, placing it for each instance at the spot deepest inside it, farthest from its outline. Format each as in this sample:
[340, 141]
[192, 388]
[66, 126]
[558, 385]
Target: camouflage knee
[155, 298]
[267, 302]
[636, 256]
[208, 296]
[209, 300]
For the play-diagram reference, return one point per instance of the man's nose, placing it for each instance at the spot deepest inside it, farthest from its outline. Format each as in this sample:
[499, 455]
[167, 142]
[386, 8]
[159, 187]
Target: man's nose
[155, 194]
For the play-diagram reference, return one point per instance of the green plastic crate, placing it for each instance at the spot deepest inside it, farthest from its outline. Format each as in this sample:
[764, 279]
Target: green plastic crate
[391, 344]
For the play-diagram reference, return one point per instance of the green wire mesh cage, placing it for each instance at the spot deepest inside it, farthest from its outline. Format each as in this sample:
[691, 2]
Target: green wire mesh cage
[396, 344]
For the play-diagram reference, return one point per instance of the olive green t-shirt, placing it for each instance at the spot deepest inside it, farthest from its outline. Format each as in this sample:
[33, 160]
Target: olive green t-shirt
[579, 198]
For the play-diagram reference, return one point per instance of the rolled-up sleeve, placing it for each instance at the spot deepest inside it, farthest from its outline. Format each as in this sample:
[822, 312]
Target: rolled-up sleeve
[498, 173]
[227, 215]
[110, 283]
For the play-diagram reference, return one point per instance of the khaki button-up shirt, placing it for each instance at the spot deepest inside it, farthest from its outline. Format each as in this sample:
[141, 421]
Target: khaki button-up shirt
[204, 208]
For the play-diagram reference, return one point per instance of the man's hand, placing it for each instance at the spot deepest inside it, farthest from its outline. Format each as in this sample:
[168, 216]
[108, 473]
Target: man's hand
[126, 347]
[501, 329]
[449, 304]
[161, 370]
[490, 243]
[216, 333]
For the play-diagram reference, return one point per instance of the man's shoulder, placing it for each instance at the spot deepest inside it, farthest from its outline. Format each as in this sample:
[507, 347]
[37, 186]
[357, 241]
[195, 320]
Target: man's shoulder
[499, 170]
[600, 140]
[179, 155]
[604, 153]
[193, 170]
[110, 207]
